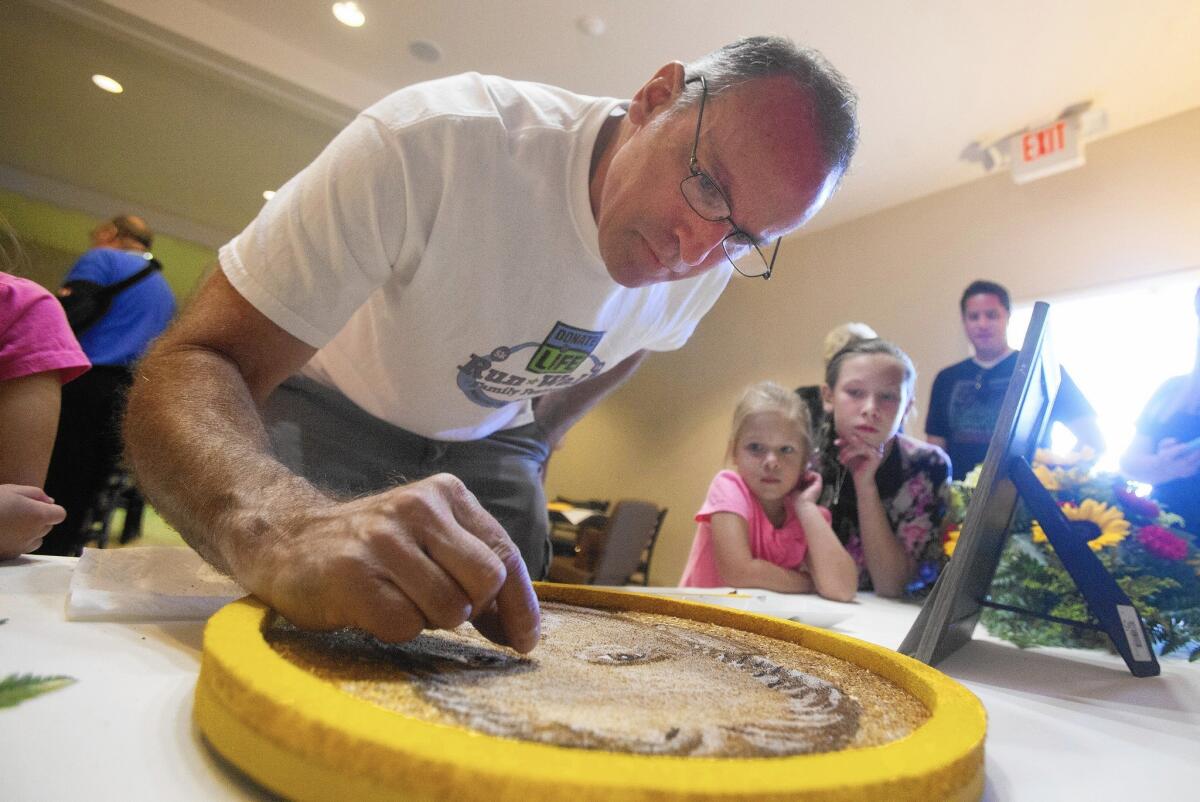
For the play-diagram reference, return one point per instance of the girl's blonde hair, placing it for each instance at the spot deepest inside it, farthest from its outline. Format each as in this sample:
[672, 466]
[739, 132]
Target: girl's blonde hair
[840, 336]
[767, 396]
[12, 258]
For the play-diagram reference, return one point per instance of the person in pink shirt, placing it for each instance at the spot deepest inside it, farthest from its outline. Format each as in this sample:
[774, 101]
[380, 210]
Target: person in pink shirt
[760, 525]
[38, 354]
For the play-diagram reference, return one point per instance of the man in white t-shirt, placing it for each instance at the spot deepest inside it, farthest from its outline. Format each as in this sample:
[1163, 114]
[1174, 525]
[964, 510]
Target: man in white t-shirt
[352, 415]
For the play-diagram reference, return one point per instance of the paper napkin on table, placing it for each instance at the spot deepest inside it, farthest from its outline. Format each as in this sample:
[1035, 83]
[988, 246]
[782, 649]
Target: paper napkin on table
[147, 583]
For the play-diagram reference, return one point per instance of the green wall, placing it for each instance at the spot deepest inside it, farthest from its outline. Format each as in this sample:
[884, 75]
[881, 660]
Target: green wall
[54, 237]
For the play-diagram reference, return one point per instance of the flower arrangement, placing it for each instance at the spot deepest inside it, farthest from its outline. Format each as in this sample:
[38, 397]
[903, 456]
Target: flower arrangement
[1154, 561]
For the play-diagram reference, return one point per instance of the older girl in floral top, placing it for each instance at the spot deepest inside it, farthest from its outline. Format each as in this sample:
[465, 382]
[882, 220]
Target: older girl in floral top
[884, 489]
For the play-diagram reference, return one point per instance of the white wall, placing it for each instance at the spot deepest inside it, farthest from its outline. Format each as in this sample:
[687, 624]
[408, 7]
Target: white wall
[1133, 210]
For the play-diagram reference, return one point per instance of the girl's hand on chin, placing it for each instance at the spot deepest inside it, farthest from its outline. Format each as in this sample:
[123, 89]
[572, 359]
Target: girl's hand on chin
[858, 455]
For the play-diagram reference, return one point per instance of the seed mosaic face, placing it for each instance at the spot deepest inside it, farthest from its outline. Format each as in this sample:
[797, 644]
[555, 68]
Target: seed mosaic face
[619, 681]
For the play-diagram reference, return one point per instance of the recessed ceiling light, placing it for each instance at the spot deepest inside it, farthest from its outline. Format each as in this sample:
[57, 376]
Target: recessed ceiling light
[349, 14]
[107, 84]
[268, 194]
[592, 26]
[425, 50]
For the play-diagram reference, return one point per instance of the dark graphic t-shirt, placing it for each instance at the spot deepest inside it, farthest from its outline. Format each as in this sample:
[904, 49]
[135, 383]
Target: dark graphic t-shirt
[965, 405]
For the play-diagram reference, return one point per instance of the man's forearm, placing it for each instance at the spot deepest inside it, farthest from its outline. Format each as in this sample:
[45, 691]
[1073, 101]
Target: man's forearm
[557, 412]
[198, 447]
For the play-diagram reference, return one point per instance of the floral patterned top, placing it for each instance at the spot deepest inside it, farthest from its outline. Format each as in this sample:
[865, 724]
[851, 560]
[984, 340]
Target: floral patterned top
[912, 481]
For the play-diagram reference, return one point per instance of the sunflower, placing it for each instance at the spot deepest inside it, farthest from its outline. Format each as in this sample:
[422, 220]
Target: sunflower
[1109, 521]
[1047, 477]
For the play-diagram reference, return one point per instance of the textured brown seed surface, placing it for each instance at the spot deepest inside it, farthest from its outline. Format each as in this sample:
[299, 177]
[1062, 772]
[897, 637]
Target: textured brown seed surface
[621, 681]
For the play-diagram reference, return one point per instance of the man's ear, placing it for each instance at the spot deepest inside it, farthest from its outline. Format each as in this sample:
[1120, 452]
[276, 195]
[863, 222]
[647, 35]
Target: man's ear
[658, 93]
[103, 235]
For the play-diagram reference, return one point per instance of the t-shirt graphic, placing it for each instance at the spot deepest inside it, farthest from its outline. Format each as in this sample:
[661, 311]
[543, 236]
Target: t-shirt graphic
[551, 366]
[975, 407]
[965, 406]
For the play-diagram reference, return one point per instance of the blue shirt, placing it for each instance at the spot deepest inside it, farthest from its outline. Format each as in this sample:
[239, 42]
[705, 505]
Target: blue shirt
[138, 314]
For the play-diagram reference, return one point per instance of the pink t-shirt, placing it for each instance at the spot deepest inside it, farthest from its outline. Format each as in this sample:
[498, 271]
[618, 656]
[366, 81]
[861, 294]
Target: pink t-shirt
[785, 546]
[34, 335]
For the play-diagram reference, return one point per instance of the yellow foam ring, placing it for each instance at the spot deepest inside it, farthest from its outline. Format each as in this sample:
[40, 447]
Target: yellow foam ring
[302, 737]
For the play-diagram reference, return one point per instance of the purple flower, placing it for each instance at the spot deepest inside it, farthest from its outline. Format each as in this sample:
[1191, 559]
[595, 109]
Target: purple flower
[1137, 505]
[1162, 542]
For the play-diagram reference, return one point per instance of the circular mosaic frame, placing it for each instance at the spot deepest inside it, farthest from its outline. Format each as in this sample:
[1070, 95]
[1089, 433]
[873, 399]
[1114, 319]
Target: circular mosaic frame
[302, 737]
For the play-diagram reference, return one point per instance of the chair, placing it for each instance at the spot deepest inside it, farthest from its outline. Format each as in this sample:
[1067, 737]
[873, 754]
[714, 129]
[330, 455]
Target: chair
[119, 493]
[564, 529]
[600, 505]
[616, 554]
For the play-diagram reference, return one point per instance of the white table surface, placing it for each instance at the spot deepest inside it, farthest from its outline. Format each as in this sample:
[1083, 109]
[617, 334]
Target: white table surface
[1062, 724]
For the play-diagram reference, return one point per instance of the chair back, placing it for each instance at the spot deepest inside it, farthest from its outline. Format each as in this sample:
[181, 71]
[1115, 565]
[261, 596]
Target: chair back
[642, 575]
[600, 505]
[632, 529]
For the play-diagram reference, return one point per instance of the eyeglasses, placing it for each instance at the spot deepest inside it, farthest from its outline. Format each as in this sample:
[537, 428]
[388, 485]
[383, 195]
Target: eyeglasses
[705, 197]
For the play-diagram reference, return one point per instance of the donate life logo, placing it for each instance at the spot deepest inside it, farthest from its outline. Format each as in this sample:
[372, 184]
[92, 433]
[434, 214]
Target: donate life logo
[551, 367]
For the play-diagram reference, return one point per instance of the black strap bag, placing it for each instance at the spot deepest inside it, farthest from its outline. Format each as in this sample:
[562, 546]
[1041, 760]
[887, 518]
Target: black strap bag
[85, 302]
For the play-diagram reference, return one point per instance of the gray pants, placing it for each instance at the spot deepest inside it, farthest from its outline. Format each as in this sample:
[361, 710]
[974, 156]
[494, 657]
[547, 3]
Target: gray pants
[323, 436]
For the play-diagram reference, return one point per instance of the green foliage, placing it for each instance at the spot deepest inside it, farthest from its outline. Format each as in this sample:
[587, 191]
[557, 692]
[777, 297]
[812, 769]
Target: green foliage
[16, 688]
[1156, 564]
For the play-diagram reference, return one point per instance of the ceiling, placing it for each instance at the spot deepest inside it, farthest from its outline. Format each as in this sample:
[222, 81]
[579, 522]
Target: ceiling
[227, 98]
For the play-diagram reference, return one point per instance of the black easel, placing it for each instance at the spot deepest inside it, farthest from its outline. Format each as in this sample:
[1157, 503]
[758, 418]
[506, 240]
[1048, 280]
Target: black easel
[947, 619]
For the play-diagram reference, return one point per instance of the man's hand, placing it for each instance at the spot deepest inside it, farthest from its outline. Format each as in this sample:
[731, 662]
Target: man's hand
[413, 557]
[27, 514]
[417, 556]
[1177, 460]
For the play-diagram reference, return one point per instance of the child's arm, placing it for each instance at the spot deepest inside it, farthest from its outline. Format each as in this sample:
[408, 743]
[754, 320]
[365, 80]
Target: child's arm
[888, 564]
[26, 516]
[740, 568]
[28, 422]
[833, 571]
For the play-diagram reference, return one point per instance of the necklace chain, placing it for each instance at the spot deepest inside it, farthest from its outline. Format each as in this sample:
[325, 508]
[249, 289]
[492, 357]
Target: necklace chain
[838, 481]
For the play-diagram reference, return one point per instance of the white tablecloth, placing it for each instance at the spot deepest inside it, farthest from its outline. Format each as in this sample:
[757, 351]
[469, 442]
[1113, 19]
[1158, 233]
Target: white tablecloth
[1062, 724]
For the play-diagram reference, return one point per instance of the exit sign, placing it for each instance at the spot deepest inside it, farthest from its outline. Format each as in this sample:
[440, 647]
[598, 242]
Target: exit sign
[1046, 150]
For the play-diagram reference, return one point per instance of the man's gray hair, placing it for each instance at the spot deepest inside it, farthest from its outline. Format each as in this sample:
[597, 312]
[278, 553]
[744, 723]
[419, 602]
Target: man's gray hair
[834, 102]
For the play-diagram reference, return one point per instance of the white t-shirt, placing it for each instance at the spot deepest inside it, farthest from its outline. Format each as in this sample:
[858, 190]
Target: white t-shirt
[442, 255]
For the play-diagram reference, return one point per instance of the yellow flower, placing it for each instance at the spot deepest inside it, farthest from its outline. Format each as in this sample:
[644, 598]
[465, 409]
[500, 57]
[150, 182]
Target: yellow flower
[951, 541]
[1047, 477]
[1110, 522]
[972, 478]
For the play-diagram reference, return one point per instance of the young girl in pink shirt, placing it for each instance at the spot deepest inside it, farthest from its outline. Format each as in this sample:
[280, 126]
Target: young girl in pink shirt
[38, 354]
[760, 525]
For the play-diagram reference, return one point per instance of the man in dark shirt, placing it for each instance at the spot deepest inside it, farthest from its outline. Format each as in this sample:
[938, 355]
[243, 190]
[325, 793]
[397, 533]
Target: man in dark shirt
[966, 398]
